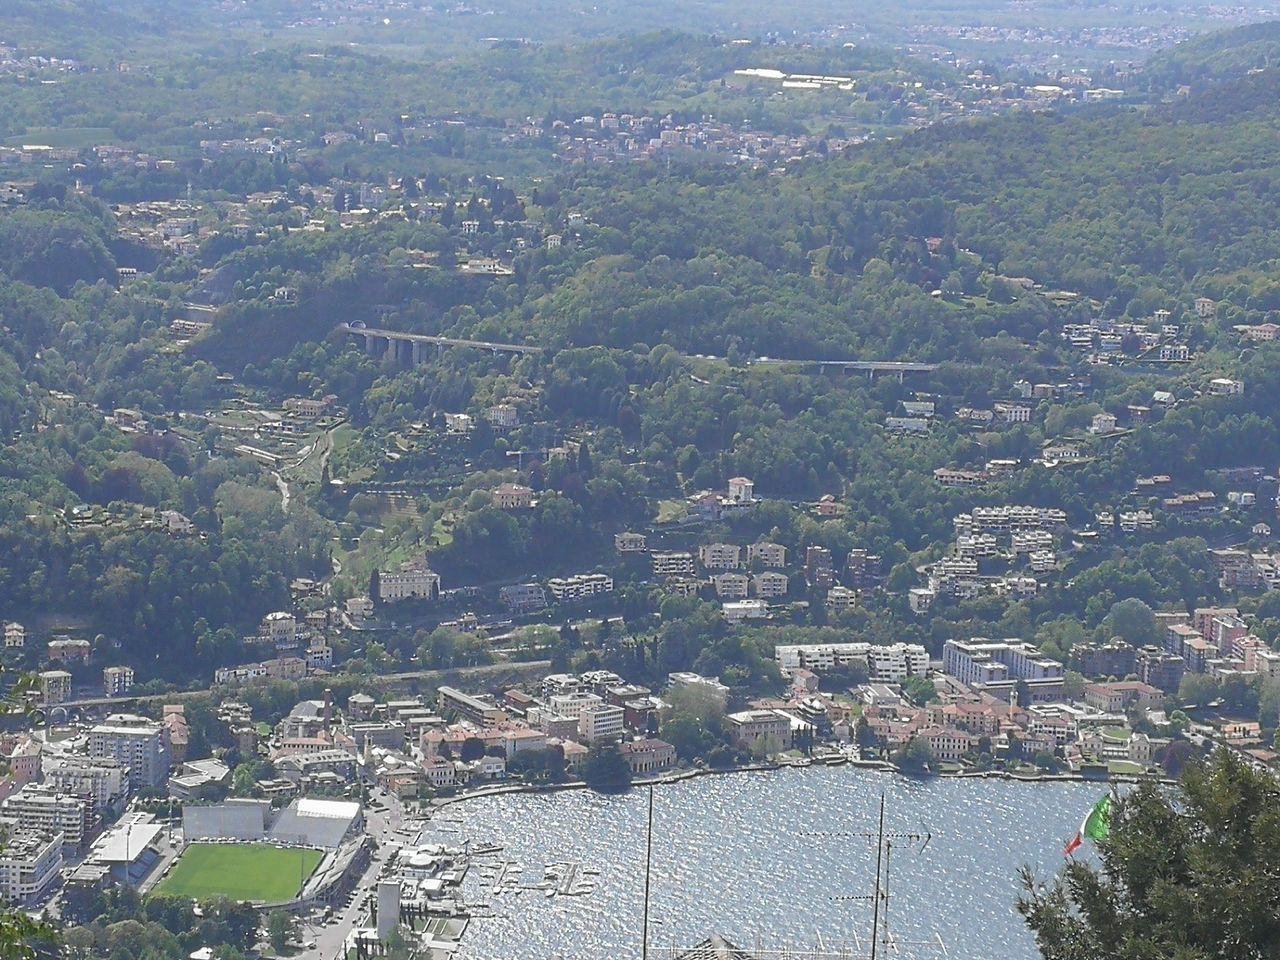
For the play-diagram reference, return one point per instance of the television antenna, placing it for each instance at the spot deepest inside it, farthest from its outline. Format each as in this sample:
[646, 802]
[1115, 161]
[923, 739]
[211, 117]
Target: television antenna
[882, 940]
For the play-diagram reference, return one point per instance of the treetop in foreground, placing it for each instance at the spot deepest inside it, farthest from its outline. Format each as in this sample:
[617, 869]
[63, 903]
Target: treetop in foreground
[1191, 873]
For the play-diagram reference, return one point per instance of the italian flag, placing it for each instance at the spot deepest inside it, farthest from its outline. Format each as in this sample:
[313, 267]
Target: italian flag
[1096, 826]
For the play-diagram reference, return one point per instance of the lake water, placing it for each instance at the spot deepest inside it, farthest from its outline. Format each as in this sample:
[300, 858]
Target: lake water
[750, 856]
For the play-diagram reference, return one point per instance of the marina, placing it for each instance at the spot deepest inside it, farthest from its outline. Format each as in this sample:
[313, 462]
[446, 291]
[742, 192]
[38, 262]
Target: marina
[769, 860]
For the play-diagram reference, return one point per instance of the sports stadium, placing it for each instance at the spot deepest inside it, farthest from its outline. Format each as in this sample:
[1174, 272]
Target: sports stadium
[245, 850]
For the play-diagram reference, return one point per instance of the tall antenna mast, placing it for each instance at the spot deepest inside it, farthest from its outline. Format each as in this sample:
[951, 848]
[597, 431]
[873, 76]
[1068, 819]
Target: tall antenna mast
[648, 869]
[879, 896]
[875, 904]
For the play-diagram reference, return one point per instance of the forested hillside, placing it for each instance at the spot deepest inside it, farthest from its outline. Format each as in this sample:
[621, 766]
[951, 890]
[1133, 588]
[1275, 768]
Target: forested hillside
[651, 290]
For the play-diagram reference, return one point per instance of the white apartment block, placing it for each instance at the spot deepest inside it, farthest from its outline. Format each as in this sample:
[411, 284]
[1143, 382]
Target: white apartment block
[993, 661]
[1009, 518]
[458, 424]
[104, 782]
[1029, 541]
[720, 556]
[897, 661]
[735, 611]
[601, 721]
[840, 600]
[30, 864]
[137, 742]
[977, 545]
[40, 809]
[572, 704]
[891, 662]
[569, 589]
[15, 636]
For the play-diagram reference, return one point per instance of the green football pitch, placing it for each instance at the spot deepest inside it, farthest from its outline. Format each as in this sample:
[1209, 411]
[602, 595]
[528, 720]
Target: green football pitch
[240, 871]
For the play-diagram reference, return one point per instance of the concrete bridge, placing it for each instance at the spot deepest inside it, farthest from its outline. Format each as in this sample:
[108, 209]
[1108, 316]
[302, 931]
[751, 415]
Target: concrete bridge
[411, 348]
[899, 368]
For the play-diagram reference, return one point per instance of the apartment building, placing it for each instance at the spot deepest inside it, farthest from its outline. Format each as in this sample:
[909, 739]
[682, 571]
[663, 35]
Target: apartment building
[1006, 519]
[503, 416]
[139, 743]
[672, 564]
[15, 636]
[997, 665]
[765, 729]
[307, 408]
[280, 627]
[30, 865]
[741, 490]
[709, 686]
[117, 681]
[627, 542]
[731, 586]
[767, 554]
[840, 600]
[888, 663]
[1160, 668]
[572, 704]
[41, 809]
[580, 587]
[600, 722]
[523, 598]
[472, 708]
[720, 556]
[103, 782]
[770, 584]
[66, 649]
[55, 687]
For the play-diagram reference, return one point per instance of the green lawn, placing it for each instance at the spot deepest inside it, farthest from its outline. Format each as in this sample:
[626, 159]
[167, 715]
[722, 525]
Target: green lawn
[241, 871]
[1125, 766]
[671, 511]
[76, 138]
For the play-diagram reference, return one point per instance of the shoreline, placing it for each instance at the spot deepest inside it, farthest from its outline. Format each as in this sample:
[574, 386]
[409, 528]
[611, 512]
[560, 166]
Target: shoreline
[881, 766]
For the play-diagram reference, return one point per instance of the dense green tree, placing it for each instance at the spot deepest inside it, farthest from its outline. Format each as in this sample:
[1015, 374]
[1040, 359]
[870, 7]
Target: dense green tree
[1187, 876]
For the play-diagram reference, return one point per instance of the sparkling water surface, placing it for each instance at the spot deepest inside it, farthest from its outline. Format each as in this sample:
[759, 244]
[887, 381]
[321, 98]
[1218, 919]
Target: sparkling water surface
[759, 859]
